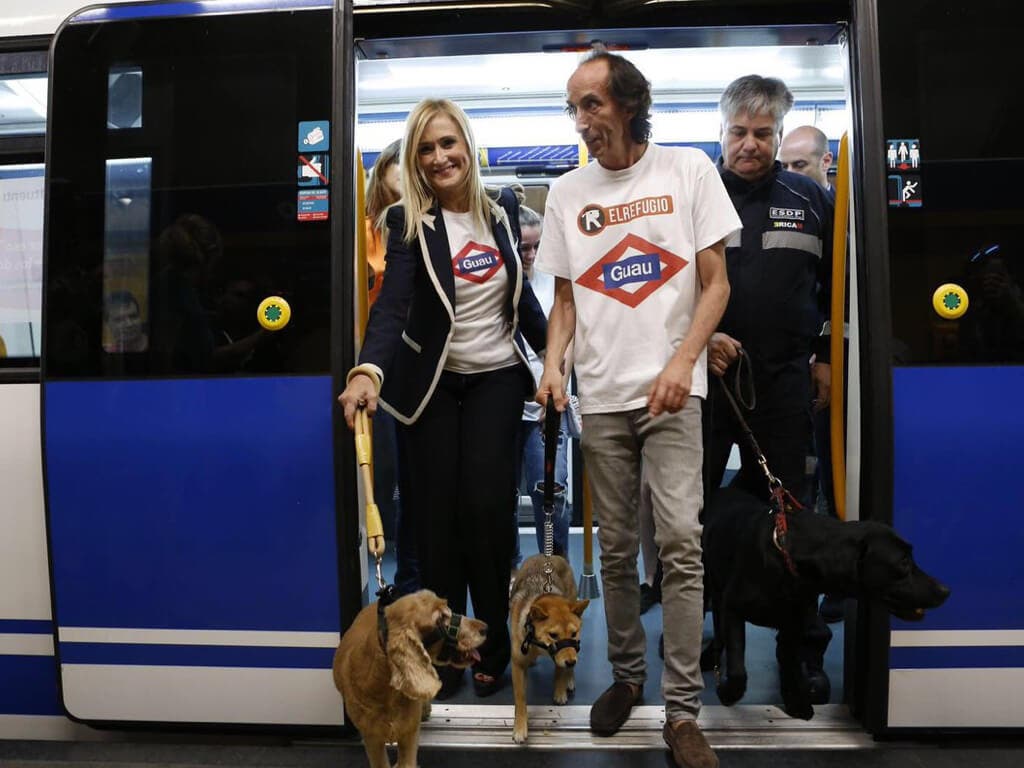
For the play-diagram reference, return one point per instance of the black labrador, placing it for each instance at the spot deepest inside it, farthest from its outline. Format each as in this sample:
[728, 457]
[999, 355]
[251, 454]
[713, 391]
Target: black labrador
[746, 579]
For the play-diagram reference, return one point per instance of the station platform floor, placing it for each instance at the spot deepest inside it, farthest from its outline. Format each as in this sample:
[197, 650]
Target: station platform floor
[153, 754]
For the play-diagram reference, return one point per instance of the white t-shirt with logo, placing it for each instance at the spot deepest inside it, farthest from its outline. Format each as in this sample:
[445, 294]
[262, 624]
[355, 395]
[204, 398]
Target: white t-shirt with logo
[628, 242]
[482, 339]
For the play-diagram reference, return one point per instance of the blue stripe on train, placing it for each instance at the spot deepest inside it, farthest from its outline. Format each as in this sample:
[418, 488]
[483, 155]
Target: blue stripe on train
[973, 657]
[192, 503]
[28, 686]
[196, 655]
[25, 627]
[958, 490]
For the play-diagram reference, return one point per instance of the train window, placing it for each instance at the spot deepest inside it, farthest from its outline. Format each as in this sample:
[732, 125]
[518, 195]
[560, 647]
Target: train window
[174, 205]
[23, 104]
[968, 229]
[23, 86]
[124, 98]
[21, 261]
[126, 255]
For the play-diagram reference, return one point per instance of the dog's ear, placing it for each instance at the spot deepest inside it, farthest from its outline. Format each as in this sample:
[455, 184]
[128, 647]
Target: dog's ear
[537, 613]
[580, 606]
[411, 670]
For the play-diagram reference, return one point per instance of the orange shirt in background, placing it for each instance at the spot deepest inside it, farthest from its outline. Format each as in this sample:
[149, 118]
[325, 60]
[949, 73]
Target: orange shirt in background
[376, 249]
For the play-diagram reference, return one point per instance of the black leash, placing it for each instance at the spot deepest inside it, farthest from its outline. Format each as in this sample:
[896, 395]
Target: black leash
[782, 501]
[743, 363]
[386, 595]
[548, 486]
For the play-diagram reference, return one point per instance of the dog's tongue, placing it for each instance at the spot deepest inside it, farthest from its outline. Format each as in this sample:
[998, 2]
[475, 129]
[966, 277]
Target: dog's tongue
[474, 655]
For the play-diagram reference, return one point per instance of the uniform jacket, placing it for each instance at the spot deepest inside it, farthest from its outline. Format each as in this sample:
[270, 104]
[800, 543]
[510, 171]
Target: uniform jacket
[780, 273]
[412, 321]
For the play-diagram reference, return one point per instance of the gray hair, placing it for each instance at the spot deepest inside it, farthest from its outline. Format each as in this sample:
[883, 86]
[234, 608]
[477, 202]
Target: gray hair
[756, 95]
[529, 217]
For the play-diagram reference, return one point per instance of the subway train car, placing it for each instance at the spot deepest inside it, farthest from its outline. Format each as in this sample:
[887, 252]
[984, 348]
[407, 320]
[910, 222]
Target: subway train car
[183, 538]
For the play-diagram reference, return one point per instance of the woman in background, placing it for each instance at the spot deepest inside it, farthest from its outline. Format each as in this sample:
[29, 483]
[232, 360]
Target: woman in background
[384, 189]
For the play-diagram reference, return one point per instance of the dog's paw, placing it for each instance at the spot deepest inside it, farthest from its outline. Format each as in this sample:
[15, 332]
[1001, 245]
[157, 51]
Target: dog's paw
[709, 658]
[561, 697]
[799, 710]
[425, 712]
[519, 733]
[731, 689]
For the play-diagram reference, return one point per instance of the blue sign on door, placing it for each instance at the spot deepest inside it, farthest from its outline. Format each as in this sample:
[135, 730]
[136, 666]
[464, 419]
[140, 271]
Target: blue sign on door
[313, 170]
[314, 135]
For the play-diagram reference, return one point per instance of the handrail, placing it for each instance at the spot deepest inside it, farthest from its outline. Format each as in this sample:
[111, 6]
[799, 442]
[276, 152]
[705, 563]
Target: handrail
[362, 281]
[837, 319]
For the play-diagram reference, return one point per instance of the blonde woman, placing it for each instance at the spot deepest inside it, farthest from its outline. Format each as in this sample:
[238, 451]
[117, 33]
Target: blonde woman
[443, 354]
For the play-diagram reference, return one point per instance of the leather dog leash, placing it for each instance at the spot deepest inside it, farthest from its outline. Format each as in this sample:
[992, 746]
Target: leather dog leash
[548, 487]
[386, 594]
[782, 501]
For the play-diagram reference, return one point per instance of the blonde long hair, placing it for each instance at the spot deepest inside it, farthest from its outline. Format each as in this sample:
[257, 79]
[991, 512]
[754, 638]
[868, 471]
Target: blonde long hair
[417, 195]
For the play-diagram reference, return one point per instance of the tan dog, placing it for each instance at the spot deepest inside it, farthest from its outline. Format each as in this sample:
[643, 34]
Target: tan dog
[544, 621]
[386, 673]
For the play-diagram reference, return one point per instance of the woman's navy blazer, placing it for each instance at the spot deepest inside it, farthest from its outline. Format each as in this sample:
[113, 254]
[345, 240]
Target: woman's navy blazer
[412, 321]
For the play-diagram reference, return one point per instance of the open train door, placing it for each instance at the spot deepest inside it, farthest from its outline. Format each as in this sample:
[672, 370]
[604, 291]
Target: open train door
[190, 434]
[942, 310]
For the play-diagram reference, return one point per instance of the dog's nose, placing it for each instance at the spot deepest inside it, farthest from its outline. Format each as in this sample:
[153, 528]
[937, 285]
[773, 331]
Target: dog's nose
[570, 662]
[483, 630]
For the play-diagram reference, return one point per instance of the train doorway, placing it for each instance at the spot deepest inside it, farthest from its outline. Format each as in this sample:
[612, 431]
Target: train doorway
[512, 86]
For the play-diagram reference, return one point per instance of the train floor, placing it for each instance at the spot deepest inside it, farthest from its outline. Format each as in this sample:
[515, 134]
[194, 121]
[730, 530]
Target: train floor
[593, 672]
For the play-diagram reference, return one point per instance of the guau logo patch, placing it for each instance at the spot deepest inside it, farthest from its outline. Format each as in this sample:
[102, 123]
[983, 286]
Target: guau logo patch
[477, 263]
[632, 270]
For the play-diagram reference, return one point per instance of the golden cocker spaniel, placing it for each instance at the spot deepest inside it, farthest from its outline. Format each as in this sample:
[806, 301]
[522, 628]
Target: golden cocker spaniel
[385, 669]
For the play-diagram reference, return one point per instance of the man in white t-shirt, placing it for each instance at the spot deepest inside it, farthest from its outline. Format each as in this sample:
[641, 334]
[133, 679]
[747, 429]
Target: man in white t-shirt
[636, 242]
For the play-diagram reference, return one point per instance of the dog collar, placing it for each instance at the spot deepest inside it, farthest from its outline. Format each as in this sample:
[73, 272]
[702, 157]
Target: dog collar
[444, 630]
[447, 631]
[781, 506]
[551, 648]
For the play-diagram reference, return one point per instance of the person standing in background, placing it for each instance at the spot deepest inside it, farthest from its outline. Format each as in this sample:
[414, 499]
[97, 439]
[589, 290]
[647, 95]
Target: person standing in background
[383, 191]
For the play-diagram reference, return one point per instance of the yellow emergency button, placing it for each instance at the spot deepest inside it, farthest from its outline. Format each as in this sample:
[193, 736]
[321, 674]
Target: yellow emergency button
[274, 313]
[950, 301]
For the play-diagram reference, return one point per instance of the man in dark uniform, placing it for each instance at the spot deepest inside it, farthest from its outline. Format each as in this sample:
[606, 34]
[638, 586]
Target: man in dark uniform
[779, 267]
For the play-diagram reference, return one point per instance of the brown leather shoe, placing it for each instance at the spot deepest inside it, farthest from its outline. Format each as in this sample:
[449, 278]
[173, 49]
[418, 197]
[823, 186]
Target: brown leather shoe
[689, 747]
[612, 708]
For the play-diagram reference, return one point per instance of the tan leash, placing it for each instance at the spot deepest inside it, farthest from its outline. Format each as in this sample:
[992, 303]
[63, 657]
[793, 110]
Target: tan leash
[364, 457]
